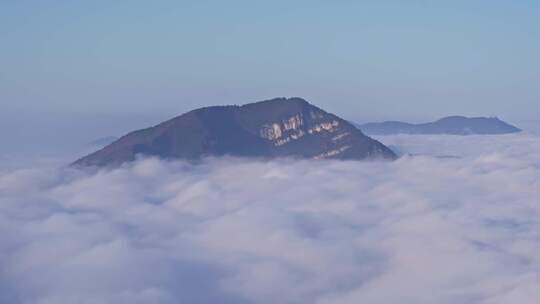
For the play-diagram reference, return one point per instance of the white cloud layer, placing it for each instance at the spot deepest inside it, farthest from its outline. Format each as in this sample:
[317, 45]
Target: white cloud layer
[422, 229]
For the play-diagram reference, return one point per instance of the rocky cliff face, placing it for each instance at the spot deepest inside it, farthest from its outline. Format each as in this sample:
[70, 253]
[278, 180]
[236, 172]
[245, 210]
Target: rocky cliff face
[268, 129]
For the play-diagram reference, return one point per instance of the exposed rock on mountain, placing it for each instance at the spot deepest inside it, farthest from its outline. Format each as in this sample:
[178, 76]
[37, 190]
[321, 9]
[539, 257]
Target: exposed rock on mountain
[274, 128]
[456, 125]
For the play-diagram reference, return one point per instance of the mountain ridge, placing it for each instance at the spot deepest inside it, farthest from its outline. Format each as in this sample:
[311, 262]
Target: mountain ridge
[454, 125]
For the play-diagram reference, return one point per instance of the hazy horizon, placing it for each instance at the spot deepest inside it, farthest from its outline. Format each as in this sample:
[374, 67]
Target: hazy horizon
[30, 133]
[128, 65]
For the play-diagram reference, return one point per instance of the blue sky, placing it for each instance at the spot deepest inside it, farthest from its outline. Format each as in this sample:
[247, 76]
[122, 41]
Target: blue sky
[125, 64]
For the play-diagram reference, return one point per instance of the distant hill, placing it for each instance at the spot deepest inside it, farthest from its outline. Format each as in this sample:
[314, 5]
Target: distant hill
[279, 127]
[455, 125]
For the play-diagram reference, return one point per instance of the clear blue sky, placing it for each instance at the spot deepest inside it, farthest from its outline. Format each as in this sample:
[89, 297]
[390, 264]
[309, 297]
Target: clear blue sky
[124, 64]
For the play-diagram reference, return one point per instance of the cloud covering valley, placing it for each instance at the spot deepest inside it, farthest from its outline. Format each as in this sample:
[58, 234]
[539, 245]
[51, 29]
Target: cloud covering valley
[456, 221]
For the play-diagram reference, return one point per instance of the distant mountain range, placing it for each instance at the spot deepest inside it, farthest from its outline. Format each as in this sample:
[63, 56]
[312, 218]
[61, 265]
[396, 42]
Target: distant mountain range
[455, 125]
[281, 127]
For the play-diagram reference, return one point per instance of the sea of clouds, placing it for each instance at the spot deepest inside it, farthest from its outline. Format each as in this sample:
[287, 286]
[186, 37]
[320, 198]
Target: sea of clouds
[455, 220]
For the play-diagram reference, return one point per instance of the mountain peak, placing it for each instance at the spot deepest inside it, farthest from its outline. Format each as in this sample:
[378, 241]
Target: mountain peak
[283, 100]
[295, 103]
[279, 127]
